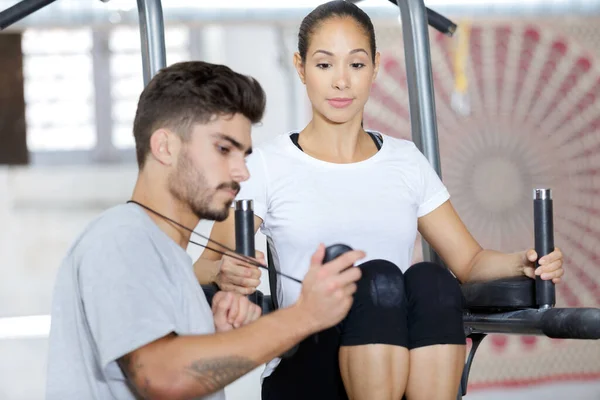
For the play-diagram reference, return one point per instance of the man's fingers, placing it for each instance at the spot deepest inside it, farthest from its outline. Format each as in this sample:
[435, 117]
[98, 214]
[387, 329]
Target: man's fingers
[222, 303]
[350, 289]
[317, 257]
[349, 276]
[344, 261]
[254, 312]
[234, 310]
[243, 304]
[217, 299]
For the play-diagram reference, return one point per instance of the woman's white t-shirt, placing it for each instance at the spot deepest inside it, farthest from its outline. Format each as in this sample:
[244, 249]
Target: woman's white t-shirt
[371, 205]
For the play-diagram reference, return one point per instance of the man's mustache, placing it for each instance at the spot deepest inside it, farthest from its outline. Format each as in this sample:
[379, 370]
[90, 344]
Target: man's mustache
[231, 186]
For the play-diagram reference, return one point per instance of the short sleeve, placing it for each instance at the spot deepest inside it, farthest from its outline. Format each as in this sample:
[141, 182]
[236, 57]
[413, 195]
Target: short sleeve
[125, 294]
[255, 188]
[433, 192]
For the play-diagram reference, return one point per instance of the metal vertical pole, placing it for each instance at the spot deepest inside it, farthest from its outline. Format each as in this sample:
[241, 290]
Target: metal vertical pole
[420, 88]
[152, 32]
[105, 149]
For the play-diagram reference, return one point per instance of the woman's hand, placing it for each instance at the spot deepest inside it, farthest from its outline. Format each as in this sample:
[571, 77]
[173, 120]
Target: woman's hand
[238, 276]
[550, 265]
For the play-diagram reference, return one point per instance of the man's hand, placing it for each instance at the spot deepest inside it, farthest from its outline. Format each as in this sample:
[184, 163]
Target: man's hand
[232, 310]
[238, 276]
[328, 289]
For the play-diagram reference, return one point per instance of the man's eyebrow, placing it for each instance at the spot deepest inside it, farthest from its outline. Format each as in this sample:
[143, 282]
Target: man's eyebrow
[233, 142]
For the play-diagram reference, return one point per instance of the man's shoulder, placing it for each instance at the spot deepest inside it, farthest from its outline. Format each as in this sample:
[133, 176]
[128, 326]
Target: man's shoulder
[117, 224]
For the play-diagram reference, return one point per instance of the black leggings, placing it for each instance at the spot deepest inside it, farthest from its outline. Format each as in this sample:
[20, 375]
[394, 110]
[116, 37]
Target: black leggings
[421, 307]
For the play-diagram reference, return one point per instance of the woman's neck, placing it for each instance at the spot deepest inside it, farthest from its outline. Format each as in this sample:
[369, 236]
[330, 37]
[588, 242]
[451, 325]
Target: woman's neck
[338, 143]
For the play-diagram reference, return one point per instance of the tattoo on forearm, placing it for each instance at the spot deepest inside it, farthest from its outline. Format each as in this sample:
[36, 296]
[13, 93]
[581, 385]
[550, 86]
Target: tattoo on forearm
[217, 373]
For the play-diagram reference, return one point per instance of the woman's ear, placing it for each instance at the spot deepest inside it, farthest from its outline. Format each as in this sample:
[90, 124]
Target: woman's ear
[376, 66]
[299, 66]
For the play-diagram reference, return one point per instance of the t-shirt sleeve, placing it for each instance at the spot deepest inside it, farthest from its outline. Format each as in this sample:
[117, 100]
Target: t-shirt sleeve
[255, 188]
[125, 294]
[433, 192]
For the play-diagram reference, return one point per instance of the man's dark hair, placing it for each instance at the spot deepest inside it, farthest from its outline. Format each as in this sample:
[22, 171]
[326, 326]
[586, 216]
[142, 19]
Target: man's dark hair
[193, 92]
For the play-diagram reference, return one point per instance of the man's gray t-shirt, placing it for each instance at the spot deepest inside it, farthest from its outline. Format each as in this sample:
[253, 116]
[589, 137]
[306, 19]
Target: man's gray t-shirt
[123, 284]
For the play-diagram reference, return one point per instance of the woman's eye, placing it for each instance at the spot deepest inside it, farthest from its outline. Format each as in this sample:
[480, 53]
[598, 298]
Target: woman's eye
[357, 65]
[323, 66]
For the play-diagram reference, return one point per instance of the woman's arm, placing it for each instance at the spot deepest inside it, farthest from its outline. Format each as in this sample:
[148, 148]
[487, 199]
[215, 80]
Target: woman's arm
[447, 234]
[228, 273]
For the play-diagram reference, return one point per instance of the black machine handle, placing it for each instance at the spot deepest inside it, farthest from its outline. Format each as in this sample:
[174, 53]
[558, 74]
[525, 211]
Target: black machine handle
[571, 323]
[244, 234]
[545, 292]
[21, 10]
[437, 21]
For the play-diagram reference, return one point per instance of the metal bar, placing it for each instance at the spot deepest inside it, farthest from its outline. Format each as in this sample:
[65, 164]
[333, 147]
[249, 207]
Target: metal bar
[105, 149]
[21, 10]
[523, 322]
[152, 32]
[560, 323]
[420, 89]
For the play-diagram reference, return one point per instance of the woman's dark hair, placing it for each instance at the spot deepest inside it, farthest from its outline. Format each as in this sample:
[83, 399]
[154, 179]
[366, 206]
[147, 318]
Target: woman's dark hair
[192, 92]
[337, 8]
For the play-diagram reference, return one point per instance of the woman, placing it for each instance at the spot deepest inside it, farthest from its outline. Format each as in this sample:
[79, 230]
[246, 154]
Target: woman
[334, 182]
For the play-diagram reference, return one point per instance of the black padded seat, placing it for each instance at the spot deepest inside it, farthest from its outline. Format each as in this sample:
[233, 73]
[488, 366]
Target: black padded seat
[500, 295]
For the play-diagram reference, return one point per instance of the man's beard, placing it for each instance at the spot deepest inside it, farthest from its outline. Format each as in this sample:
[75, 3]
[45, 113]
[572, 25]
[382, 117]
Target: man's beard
[188, 185]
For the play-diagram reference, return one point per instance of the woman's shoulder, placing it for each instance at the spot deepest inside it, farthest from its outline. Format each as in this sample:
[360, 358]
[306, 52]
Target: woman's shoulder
[395, 142]
[274, 144]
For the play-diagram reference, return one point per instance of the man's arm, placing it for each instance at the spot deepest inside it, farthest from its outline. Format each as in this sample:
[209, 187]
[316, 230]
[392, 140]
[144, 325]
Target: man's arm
[184, 367]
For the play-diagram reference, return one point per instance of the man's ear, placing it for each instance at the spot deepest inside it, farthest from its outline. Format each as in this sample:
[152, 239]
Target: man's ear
[162, 147]
[299, 66]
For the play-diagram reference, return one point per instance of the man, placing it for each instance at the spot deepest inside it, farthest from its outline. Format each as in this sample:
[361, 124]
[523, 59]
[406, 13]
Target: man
[129, 319]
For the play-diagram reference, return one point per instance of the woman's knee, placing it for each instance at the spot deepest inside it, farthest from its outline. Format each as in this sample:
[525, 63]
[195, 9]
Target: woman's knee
[379, 312]
[381, 285]
[435, 305]
[426, 281]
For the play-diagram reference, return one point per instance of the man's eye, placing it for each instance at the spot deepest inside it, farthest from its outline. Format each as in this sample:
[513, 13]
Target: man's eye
[223, 149]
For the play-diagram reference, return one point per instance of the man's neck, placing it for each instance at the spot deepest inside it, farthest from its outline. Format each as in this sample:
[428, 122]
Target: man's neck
[156, 197]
